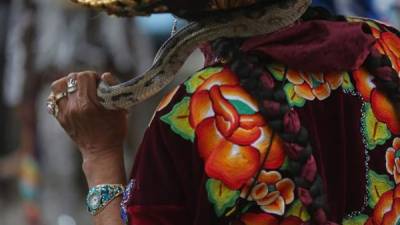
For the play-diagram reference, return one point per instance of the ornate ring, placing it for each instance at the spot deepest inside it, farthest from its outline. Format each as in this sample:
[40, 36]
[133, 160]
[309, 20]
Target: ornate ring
[52, 107]
[59, 96]
[72, 86]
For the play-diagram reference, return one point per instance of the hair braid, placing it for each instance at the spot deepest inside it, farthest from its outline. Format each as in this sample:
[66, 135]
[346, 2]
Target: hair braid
[386, 78]
[259, 82]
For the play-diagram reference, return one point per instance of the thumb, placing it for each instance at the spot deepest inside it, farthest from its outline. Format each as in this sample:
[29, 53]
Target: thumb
[109, 79]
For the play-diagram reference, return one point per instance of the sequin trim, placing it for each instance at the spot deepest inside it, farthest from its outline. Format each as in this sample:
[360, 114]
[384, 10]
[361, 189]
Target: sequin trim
[126, 195]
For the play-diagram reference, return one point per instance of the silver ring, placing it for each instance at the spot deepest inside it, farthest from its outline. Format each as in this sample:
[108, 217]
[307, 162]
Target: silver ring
[72, 86]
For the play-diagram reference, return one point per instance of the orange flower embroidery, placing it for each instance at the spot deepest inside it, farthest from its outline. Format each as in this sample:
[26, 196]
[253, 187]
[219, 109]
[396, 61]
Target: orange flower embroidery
[388, 44]
[382, 107]
[314, 85]
[167, 99]
[387, 210]
[393, 160]
[364, 83]
[231, 136]
[266, 219]
[385, 111]
[259, 219]
[272, 193]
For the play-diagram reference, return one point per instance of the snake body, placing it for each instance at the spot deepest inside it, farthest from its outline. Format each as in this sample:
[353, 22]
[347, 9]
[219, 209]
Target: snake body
[172, 55]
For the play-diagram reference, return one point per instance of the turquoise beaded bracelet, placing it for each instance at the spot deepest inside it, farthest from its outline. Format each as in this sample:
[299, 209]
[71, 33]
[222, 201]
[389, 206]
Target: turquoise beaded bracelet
[99, 196]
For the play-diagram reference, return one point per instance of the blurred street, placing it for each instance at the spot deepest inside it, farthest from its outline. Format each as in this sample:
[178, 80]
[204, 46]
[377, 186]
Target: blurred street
[41, 181]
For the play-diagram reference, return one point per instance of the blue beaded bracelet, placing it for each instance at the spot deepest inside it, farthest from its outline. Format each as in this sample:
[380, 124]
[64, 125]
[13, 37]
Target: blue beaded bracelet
[99, 196]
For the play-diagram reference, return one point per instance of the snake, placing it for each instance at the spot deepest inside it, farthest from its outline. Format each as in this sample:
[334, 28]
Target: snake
[174, 52]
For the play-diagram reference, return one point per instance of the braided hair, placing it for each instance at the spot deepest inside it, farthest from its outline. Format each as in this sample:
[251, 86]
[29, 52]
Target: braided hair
[259, 82]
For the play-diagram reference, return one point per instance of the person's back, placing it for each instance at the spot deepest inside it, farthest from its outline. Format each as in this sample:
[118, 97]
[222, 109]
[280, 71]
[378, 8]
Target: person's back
[300, 125]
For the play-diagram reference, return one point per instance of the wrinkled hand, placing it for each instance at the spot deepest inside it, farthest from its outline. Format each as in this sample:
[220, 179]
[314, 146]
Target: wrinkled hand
[95, 129]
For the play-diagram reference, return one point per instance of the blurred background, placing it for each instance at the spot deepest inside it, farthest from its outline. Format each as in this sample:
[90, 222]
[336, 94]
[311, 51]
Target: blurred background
[41, 182]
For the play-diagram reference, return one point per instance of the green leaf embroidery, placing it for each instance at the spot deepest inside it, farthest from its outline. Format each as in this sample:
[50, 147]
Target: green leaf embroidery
[375, 133]
[286, 164]
[347, 85]
[221, 196]
[178, 119]
[292, 97]
[297, 209]
[247, 207]
[357, 220]
[370, 22]
[277, 70]
[241, 107]
[198, 78]
[377, 185]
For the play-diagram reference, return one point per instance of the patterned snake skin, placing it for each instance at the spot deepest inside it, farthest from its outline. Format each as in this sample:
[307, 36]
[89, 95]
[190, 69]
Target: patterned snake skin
[172, 55]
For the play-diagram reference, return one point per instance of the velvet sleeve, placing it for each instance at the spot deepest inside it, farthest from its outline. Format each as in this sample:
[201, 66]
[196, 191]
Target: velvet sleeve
[166, 173]
[157, 196]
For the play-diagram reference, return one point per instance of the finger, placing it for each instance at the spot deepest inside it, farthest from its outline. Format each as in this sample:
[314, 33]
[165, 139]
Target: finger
[57, 87]
[71, 76]
[72, 93]
[109, 79]
[87, 86]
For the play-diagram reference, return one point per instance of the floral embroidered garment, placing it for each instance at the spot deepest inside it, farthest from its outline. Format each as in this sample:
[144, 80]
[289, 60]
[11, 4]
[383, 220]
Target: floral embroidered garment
[211, 157]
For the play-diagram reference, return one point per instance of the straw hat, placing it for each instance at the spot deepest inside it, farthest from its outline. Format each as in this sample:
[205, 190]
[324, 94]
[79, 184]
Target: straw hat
[178, 7]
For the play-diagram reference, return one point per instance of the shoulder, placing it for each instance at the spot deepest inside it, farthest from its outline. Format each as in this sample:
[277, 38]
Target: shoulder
[379, 29]
[370, 21]
[387, 39]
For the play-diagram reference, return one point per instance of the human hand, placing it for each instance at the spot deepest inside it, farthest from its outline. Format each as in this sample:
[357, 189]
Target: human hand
[96, 130]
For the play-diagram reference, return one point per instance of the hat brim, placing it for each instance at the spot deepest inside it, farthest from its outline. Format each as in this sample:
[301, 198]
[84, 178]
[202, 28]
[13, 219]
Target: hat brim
[130, 8]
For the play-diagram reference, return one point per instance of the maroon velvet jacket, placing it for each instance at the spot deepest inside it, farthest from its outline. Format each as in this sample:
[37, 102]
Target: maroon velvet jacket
[203, 151]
